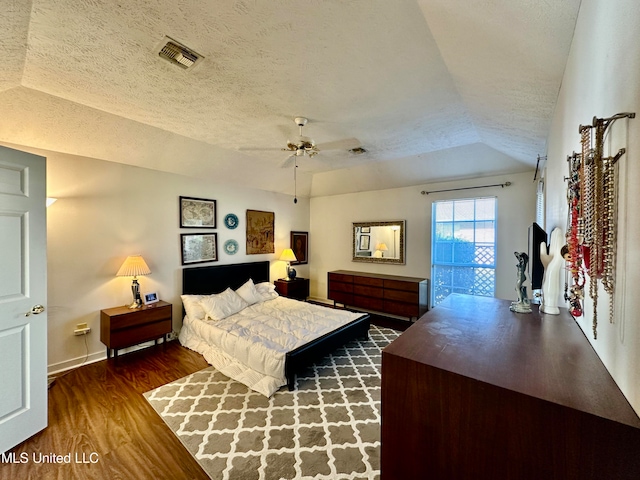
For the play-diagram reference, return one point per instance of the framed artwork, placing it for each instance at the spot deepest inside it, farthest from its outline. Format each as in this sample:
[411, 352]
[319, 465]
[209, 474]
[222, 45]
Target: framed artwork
[199, 247]
[364, 242]
[365, 229]
[300, 247]
[197, 213]
[149, 298]
[260, 232]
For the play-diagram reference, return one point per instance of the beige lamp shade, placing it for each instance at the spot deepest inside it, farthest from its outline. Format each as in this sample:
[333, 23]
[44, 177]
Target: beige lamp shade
[288, 255]
[133, 266]
[380, 247]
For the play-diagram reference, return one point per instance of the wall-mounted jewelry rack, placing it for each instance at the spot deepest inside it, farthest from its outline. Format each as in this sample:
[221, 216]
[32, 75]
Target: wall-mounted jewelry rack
[592, 216]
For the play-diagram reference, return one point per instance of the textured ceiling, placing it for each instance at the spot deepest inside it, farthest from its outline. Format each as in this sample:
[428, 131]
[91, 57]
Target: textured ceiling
[432, 89]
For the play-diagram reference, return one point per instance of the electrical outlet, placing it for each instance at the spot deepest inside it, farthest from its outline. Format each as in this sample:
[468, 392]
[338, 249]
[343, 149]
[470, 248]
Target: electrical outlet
[82, 329]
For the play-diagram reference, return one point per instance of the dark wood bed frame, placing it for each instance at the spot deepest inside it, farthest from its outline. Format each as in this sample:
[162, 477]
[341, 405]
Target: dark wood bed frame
[216, 279]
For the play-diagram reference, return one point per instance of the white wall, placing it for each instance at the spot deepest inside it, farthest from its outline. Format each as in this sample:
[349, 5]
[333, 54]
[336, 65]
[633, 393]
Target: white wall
[332, 217]
[602, 78]
[106, 211]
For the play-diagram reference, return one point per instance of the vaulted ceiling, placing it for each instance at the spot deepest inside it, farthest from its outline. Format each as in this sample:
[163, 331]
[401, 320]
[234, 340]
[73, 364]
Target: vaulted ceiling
[431, 89]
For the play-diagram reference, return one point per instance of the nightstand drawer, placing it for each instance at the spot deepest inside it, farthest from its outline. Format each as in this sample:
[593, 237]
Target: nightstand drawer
[140, 317]
[137, 334]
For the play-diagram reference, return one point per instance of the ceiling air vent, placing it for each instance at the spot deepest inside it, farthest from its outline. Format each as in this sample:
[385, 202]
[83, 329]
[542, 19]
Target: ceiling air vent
[358, 151]
[178, 54]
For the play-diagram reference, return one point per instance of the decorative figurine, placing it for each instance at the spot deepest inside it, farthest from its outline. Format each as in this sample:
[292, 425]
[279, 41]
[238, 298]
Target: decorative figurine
[522, 305]
[552, 262]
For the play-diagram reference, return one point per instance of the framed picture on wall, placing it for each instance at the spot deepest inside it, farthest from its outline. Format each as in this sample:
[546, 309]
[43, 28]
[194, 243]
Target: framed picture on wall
[197, 213]
[260, 232]
[300, 247]
[364, 242]
[199, 247]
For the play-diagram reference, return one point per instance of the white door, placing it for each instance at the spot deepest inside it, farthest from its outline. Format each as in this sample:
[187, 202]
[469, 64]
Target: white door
[23, 289]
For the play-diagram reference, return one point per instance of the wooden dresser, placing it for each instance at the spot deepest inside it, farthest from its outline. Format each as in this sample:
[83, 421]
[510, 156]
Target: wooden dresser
[473, 390]
[393, 294]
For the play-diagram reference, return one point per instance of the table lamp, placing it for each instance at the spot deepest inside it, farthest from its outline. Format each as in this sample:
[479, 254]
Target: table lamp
[381, 247]
[288, 256]
[133, 266]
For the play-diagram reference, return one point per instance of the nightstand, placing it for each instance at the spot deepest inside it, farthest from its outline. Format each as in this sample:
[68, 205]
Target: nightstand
[122, 327]
[297, 288]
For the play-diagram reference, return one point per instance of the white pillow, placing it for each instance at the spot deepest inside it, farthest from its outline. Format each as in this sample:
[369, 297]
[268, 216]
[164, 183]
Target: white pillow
[267, 290]
[192, 306]
[249, 293]
[223, 304]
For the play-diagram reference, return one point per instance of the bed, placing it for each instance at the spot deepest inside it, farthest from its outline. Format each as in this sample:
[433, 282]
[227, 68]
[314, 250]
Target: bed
[202, 336]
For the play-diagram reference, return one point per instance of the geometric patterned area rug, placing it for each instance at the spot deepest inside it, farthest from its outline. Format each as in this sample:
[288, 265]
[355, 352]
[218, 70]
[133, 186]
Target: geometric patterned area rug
[327, 428]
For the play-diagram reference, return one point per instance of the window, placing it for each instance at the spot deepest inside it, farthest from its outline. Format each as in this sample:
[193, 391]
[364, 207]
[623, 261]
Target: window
[463, 248]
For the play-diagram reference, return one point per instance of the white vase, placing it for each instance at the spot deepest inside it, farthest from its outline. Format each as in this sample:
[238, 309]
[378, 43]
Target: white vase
[552, 261]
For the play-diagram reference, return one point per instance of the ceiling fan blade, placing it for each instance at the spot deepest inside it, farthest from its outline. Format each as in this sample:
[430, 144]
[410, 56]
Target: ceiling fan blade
[257, 149]
[346, 144]
[288, 161]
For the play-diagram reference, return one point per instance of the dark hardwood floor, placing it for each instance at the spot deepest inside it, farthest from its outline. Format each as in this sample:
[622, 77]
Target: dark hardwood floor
[97, 413]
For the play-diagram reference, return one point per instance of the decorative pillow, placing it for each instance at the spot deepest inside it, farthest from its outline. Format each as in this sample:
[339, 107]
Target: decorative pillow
[249, 293]
[223, 304]
[192, 306]
[267, 290]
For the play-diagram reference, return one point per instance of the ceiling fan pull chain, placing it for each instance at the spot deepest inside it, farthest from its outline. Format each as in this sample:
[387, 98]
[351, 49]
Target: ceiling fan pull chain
[295, 179]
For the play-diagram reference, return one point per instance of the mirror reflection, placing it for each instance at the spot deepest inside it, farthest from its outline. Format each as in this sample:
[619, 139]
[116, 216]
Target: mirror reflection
[378, 242]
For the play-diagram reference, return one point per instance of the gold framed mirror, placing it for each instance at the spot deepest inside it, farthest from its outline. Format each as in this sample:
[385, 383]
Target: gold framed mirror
[378, 242]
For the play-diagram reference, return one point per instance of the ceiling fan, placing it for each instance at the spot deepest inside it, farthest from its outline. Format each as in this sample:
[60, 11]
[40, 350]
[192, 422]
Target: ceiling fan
[304, 145]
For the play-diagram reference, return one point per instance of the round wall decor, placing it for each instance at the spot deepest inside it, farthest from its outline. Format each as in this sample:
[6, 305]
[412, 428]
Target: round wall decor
[231, 247]
[231, 221]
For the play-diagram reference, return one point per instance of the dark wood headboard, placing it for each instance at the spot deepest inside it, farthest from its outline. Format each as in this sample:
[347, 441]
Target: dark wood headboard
[216, 279]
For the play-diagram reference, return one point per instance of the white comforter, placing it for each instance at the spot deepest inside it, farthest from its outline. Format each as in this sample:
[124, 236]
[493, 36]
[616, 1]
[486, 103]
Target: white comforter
[250, 346]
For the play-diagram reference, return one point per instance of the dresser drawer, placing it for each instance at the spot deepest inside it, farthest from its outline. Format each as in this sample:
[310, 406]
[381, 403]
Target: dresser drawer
[341, 297]
[340, 277]
[401, 285]
[335, 286]
[375, 282]
[401, 296]
[402, 309]
[368, 291]
[370, 303]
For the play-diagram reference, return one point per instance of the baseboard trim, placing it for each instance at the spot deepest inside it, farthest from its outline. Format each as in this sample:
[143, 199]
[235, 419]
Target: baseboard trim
[72, 363]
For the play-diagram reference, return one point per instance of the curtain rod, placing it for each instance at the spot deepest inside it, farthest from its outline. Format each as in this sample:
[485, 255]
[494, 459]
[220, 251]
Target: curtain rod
[505, 184]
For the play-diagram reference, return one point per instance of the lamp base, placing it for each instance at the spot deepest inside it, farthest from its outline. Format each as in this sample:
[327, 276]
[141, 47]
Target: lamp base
[291, 274]
[135, 289]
